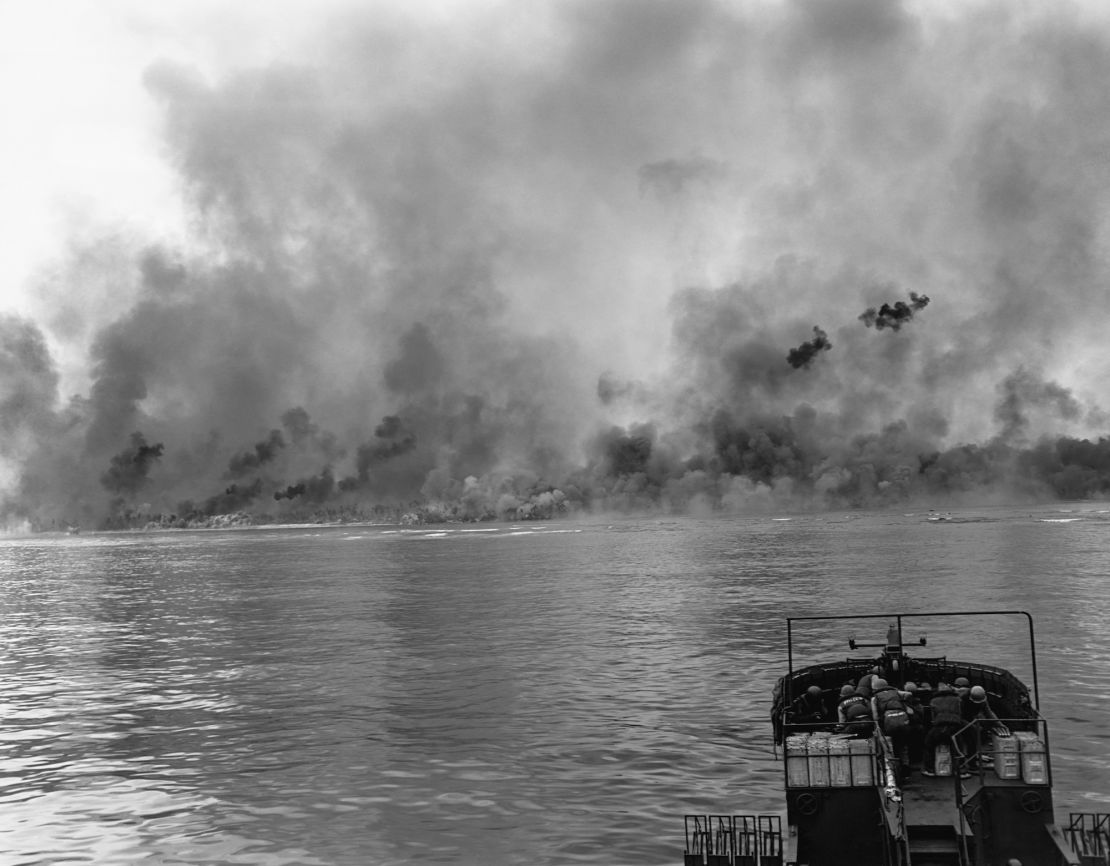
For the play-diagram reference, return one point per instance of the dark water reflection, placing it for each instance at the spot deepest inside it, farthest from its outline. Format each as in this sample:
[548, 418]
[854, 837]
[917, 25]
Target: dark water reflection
[550, 694]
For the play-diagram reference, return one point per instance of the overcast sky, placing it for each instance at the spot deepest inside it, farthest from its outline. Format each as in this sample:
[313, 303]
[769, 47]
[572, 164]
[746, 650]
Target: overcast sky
[82, 146]
[82, 149]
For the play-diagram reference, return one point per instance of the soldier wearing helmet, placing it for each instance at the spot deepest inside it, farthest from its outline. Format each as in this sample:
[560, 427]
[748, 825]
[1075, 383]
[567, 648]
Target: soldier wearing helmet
[810, 707]
[976, 708]
[854, 713]
[947, 720]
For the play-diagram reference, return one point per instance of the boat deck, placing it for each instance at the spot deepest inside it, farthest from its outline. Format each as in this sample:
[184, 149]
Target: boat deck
[934, 834]
[931, 801]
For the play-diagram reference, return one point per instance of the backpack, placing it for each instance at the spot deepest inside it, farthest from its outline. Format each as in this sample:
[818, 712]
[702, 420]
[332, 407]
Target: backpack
[895, 720]
[895, 715]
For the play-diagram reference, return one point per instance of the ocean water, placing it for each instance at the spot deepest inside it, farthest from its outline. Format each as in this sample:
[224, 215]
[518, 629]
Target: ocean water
[493, 694]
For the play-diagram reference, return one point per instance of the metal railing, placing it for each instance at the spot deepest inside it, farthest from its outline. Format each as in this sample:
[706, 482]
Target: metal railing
[1001, 750]
[733, 840]
[1089, 835]
[898, 619]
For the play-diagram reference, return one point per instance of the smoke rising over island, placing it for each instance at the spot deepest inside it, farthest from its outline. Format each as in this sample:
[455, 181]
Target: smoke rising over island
[516, 262]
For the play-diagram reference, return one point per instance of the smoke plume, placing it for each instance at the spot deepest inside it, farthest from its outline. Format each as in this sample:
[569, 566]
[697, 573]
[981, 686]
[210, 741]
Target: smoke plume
[895, 316]
[803, 355]
[517, 264]
[250, 461]
[128, 470]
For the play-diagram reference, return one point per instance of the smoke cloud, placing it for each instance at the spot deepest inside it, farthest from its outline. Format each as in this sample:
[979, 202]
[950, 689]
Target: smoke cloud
[128, 470]
[263, 453]
[803, 355]
[517, 263]
[895, 316]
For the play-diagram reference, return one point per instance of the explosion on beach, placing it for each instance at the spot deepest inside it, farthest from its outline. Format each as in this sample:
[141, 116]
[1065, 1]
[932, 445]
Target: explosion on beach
[438, 277]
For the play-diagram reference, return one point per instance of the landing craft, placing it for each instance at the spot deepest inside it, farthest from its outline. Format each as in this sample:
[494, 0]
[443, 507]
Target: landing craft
[987, 801]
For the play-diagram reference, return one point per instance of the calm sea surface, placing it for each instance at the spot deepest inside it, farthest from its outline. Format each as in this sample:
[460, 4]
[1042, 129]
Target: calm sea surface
[536, 694]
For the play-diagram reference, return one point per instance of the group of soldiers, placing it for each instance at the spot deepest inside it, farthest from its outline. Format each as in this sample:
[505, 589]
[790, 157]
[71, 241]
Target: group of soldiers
[916, 717]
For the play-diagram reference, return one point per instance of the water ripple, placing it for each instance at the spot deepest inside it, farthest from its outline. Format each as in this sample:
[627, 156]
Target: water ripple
[501, 694]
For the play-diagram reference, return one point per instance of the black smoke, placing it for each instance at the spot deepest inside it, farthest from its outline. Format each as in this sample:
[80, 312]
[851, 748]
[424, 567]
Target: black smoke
[291, 492]
[233, 499]
[894, 317]
[263, 452]
[391, 439]
[626, 453]
[316, 489]
[1071, 468]
[803, 355]
[129, 469]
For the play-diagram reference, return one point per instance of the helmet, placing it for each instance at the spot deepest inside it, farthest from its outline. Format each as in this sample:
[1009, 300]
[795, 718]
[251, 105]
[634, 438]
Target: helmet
[978, 694]
[910, 687]
[878, 683]
[813, 690]
[847, 691]
[962, 682]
